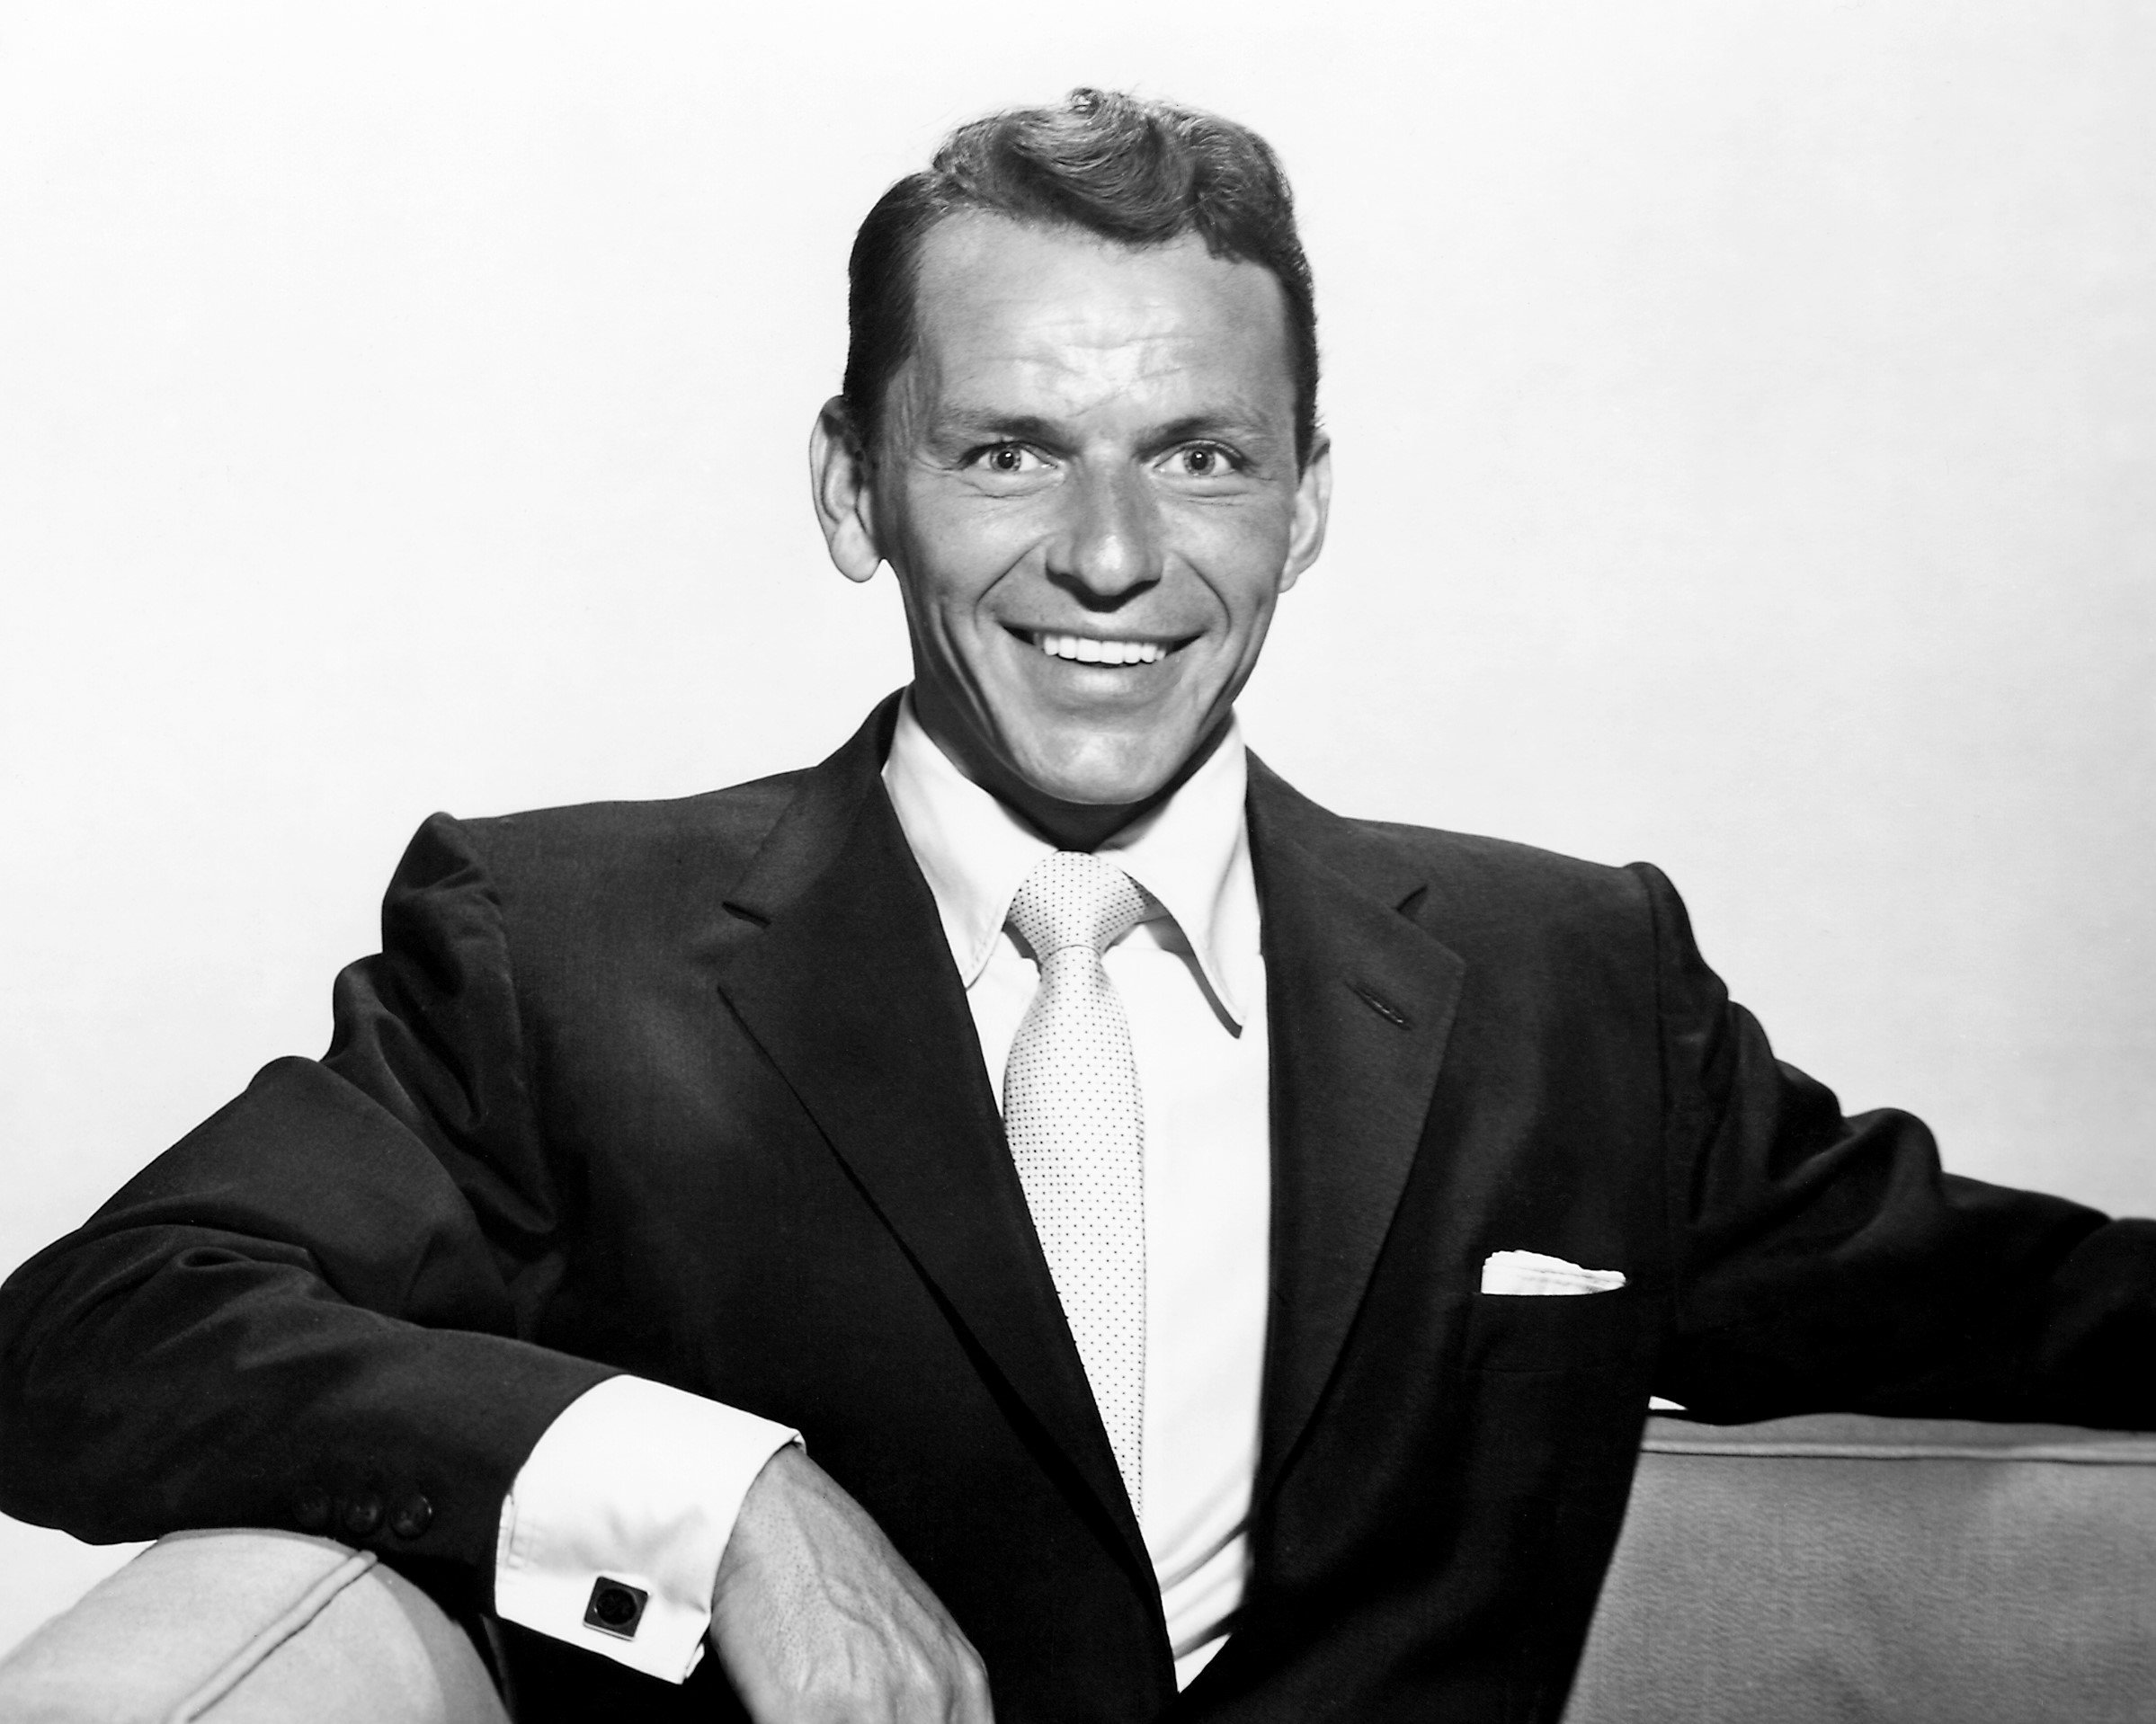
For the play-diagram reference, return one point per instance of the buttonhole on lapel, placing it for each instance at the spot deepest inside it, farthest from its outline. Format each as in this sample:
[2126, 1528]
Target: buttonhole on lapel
[1377, 1005]
[744, 912]
[1411, 906]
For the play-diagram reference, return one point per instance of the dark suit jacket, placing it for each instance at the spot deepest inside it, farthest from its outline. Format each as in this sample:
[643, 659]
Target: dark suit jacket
[690, 1089]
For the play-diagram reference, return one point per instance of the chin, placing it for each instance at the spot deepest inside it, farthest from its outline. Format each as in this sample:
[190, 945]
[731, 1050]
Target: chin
[1094, 776]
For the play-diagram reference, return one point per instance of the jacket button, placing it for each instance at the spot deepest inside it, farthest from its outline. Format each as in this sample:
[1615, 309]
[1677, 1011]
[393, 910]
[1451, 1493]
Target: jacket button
[310, 1510]
[414, 1516]
[363, 1514]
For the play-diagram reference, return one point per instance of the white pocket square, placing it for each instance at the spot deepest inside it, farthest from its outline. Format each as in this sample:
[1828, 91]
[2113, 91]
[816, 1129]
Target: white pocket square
[1530, 1272]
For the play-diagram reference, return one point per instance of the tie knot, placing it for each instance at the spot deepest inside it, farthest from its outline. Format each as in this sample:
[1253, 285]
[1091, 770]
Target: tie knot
[1072, 898]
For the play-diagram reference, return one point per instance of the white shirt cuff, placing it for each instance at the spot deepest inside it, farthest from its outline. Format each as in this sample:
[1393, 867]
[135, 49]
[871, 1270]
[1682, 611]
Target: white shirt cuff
[612, 1535]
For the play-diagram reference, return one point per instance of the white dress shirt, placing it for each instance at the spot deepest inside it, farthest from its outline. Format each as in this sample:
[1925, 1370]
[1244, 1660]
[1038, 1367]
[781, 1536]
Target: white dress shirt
[1192, 982]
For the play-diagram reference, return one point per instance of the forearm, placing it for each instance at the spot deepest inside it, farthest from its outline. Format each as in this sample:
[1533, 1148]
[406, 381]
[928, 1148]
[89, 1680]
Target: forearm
[175, 1378]
[1829, 1261]
[294, 1303]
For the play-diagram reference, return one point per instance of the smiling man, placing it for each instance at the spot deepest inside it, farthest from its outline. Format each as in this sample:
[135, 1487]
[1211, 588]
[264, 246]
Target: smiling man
[1031, 1217]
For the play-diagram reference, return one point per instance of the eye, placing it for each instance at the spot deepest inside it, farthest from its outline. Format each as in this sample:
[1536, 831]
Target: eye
[1007, 460]
[1203, 461]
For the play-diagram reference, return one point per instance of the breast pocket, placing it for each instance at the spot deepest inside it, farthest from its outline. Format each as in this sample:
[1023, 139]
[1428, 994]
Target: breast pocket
[1554, 1332]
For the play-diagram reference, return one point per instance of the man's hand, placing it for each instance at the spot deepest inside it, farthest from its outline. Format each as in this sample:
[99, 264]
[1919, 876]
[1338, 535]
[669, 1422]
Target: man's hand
[819, 1621]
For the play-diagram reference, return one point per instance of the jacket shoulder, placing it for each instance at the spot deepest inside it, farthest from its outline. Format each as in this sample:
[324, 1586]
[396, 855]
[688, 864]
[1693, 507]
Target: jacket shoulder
[594, 852]
[738, 816]
[1499, 862]
[1463, 870]
[1493, 891]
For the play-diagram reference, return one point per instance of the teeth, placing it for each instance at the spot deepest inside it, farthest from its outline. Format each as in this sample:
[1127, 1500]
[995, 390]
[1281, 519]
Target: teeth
[1086, 650]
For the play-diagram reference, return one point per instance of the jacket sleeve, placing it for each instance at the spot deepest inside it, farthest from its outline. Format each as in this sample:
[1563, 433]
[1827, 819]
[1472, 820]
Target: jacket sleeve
[314, 1310]
[1826, 1263]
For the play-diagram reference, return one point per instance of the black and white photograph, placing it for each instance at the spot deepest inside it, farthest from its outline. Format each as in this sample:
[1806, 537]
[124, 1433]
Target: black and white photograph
[871, 864]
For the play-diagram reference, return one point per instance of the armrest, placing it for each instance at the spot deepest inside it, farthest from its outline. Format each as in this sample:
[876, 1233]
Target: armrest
[247, 1627]
[1838, 1566]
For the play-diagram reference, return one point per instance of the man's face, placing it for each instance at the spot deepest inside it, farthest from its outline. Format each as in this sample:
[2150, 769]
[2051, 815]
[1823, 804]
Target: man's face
[1087, 485]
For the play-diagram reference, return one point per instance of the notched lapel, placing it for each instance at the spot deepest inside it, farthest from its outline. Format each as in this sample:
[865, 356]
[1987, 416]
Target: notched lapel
[839, 968]
[1360, 1002]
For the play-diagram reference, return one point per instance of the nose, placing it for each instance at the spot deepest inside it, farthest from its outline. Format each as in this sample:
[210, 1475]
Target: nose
[1109, 547]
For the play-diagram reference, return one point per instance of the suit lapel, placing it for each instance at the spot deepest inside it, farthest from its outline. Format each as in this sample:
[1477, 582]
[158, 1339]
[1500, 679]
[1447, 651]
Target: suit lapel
[1360, 1001]
[838, 967]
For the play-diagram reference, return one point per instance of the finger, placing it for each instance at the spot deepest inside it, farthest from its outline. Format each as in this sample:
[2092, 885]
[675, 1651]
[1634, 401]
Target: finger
[974, 1706]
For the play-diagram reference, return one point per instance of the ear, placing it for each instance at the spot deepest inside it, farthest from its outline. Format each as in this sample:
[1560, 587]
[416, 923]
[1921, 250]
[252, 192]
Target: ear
[1312, 506]
[840, 485]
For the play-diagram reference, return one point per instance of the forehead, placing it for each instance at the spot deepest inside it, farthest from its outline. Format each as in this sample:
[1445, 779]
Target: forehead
[1062, 314]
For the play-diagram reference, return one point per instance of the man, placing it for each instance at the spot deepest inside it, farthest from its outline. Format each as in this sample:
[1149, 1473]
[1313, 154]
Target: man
[1216, 1255]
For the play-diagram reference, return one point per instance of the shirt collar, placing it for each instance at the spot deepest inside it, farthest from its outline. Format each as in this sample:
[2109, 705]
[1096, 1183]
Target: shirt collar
[1192, 853]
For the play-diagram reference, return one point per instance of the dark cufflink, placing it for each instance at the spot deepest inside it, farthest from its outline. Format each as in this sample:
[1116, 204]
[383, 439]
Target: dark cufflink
[616, 1608]
[363, 1514]
[311, 1509]
[412, 1516]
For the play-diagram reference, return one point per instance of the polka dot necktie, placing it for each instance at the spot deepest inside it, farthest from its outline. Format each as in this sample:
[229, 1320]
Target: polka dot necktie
[1077, 1132]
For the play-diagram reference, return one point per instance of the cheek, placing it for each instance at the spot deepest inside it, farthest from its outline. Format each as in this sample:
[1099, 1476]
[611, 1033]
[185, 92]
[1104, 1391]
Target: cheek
[951, 529]
[1238, 552]
[1245, 592]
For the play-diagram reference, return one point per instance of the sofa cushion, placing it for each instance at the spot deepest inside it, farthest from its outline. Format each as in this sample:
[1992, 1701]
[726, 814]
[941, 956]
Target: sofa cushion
[1836, 1567]
[249, 1628]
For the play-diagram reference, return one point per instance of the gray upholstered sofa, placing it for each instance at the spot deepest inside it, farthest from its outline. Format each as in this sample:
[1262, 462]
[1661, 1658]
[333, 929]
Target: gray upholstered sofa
[1831, 1568]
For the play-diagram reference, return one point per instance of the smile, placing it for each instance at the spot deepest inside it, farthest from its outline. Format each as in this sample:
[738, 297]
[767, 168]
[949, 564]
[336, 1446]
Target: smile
[1088, 649]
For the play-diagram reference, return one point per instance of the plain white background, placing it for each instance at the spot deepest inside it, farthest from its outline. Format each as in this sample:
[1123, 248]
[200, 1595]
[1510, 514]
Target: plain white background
[1746, 427]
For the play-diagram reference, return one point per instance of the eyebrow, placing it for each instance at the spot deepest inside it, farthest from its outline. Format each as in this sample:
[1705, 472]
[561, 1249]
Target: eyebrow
[963, 424]
[1201, 425]
[966, 424]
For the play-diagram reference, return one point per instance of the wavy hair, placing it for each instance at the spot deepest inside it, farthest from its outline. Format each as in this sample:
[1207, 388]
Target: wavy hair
[1139, 171]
